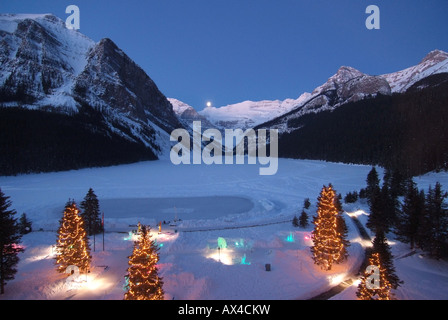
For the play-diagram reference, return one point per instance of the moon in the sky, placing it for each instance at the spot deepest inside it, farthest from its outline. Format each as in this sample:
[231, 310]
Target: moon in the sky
[209, 104]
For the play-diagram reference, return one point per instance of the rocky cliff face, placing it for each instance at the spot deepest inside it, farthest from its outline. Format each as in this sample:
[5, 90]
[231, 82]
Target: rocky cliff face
[46, 66]
[187, 114]
[111, 78]
[347, 85]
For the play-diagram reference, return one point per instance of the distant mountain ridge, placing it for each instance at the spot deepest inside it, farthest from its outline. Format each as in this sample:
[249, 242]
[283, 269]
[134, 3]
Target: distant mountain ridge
[346, 85]
[67, 102]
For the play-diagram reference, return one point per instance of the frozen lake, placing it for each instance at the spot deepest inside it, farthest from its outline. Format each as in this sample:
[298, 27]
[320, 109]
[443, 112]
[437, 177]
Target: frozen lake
[167, 209]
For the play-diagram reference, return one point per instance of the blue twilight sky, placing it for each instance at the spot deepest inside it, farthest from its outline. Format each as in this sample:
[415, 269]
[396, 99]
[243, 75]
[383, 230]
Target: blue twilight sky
[236, 50]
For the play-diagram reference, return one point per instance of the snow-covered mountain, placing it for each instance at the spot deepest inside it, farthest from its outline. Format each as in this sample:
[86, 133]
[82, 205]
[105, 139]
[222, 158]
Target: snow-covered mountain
[248, 114]
[347, 85]
[435, 62]
[350, 85]
[46, 66]
[187, 114]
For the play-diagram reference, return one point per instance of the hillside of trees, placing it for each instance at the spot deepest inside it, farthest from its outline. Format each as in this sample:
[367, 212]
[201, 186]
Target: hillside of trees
[405, 132]
[41, 141]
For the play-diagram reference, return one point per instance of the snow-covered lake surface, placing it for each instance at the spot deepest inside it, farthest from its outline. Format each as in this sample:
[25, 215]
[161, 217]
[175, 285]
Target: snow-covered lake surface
[252, 213]
[185, 208]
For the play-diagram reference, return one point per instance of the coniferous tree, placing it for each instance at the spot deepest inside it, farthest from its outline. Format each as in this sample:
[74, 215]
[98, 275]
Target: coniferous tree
[351, 197]
[25, 224]
[341, 226]
[306, 203]
[399, 183]
[436, 222]
[381, 246]
[9, 242]
[395, 181]
[91, 213]
[72, 244]
[410, 217]
[422, 236]
[328, 243]
[362, 193]
[391, 205]
[303, 220]
[144, 282]
[377, 220]
[295, 221]
[373, 185]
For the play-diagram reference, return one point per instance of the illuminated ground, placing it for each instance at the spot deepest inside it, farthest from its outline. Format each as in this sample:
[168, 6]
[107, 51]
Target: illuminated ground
[248, 211]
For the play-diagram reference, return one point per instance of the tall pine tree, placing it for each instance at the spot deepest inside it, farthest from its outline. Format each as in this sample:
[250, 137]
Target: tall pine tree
[381, 246]
[144, 282]
[340, 223]
[436, 222]
[411, 215]
[382, 210]
[91, 213]
[10, 237]
[329, 244]
[303, 220]
[373, 185]
[72, 244]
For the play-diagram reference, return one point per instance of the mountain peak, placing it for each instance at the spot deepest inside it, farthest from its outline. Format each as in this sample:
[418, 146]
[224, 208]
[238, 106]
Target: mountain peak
[10, 21]
[435, 56]
[347, 72]
[23, 16]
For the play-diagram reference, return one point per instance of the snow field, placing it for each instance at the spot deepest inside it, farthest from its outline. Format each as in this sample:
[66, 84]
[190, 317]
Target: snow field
[252, 213]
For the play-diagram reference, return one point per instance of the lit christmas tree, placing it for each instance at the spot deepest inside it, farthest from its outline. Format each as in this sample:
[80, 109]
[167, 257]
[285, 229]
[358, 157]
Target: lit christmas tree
[72, 243]
[329, 242]
[374, 284]
[144, 282]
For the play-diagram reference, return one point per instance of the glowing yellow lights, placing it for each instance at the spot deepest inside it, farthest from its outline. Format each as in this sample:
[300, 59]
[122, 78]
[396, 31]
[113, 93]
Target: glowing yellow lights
[337, 278]
[329, 245]
[143, 280]
[72, 246]
[381, 287]
[224, 255]
[95, 284]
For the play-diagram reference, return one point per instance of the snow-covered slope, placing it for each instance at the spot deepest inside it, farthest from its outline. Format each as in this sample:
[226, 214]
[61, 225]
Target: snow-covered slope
[187, 114]
[435, 62]
[44, 65]
[39, 51]
[249, 114]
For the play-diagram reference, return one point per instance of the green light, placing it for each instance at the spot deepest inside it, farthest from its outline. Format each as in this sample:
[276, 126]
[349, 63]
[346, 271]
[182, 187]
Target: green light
[240, 244]
[222, 243]
[129, 237]
[243, 260]
[290, 238]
